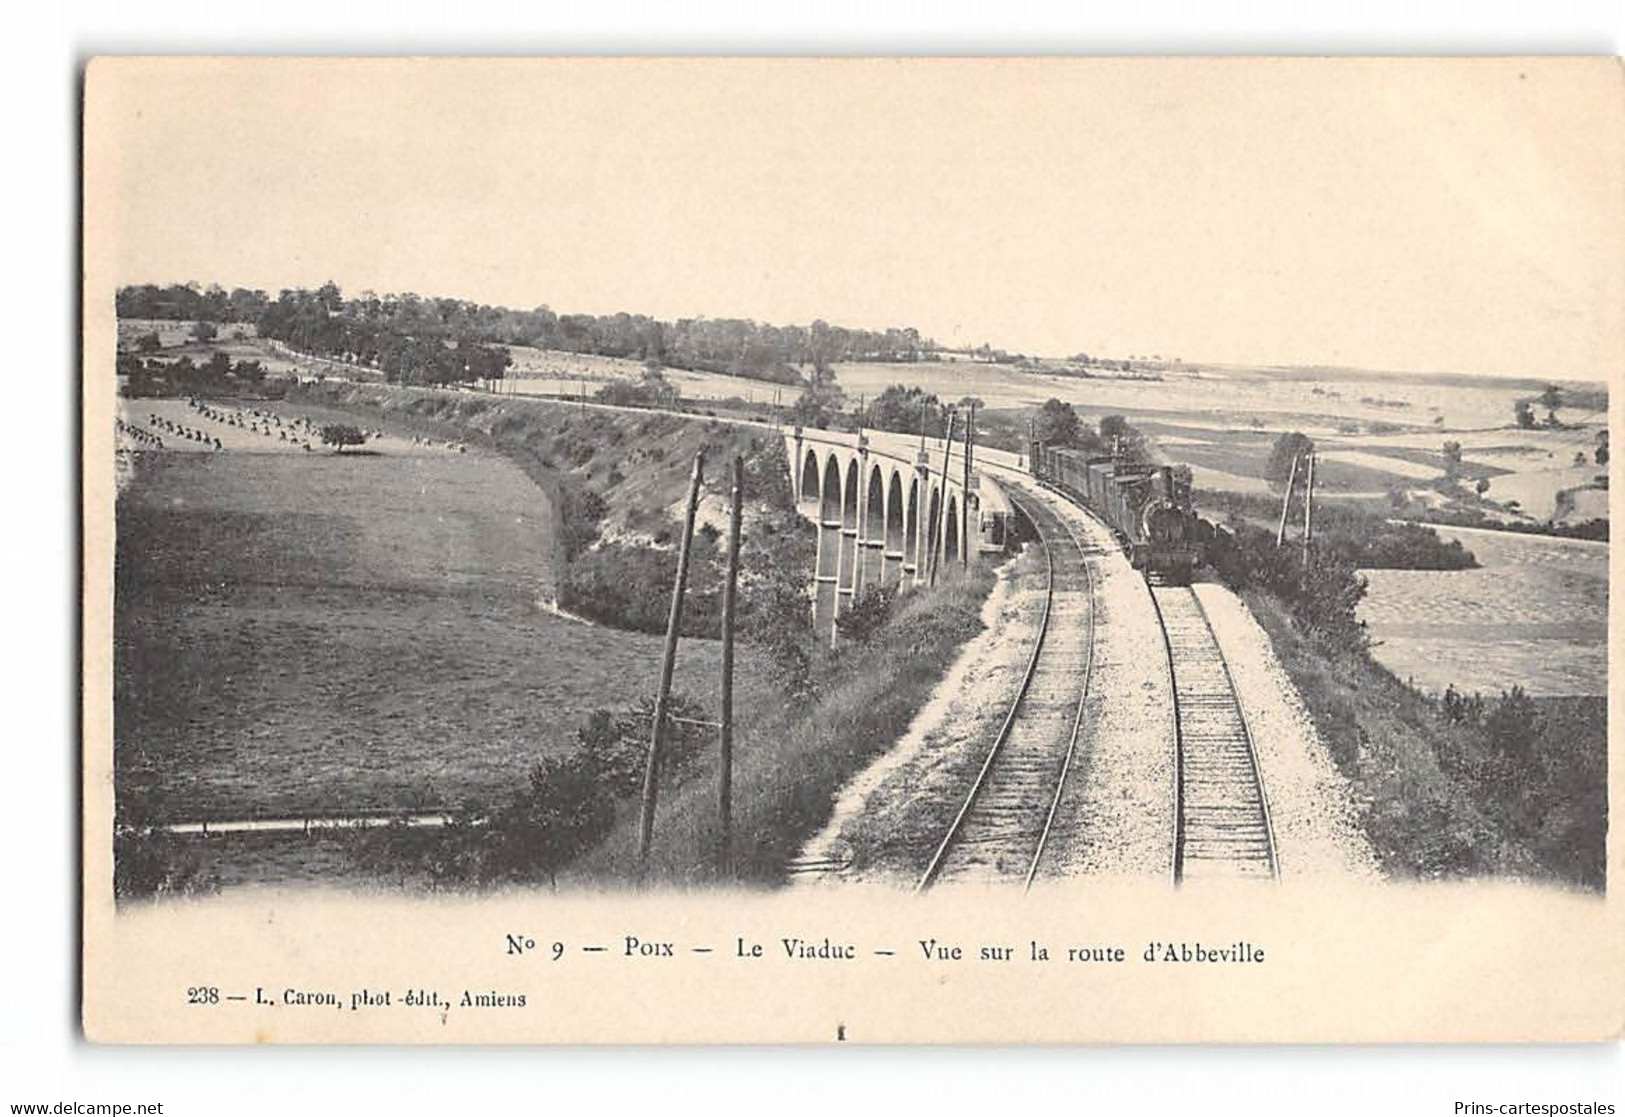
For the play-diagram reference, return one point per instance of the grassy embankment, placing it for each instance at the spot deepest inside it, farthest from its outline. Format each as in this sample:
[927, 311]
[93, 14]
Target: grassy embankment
[1454, 786]
[792, 759]
[1496, 793]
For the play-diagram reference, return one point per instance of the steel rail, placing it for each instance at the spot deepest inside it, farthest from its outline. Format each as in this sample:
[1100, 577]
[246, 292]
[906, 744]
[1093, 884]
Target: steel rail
[1252, 748]
[934, 868]
[1077, 720]
[1181, 782]
[1177, 867]
[935, 865]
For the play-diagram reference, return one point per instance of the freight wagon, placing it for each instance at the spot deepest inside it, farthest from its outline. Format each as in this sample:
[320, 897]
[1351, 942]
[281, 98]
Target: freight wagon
[1148, 507]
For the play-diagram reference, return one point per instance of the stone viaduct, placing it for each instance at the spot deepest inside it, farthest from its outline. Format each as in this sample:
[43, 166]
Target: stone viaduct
[886, 505]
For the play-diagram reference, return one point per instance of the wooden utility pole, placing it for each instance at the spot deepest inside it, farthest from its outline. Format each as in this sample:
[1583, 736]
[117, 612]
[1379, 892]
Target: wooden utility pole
[674, 622]
[939, 539]
[1286, 502]
[1309, 509]
[729, 587]
[964, 496]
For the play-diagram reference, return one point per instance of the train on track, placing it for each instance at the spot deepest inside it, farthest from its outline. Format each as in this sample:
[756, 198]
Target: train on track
[1148, 507]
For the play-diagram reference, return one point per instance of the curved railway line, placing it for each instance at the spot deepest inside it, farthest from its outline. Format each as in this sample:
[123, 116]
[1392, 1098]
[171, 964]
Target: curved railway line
[1005, 822]
[1222, 822]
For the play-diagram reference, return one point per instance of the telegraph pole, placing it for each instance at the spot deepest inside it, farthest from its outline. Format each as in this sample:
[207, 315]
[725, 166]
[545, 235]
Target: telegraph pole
[1286, 501]
[729, 588]
[964, 496]
[940, 539]
[1309, 510]
[674, 622]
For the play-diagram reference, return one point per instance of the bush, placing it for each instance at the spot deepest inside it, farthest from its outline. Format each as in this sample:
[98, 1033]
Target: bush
[1057, 424]
[567, 807]
[654, 390]
[581, 511]
[1402, 547]
[817, 409]
[561, 812]
[776, 621]
[1537, 770]
[1289, 448]
[867, 615]
[340, 435]
[1323, 595]
[908, 410]
[616, 747]
[1510, 724]
[629, 585]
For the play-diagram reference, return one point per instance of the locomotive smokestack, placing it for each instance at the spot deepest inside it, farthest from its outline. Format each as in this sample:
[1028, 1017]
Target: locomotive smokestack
[1165, 482]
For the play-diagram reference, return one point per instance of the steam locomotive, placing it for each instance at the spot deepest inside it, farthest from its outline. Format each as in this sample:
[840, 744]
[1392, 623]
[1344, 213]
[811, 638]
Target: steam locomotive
[1147, 507]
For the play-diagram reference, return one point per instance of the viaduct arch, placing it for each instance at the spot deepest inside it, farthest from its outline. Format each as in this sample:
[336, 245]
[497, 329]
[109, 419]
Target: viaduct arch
[883, 508]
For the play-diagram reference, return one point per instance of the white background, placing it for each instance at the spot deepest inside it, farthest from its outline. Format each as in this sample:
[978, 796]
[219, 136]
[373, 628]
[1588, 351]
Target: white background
[44, 1059]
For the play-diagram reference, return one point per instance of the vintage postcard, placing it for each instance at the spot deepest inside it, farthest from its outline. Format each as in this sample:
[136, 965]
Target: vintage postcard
[851, 550]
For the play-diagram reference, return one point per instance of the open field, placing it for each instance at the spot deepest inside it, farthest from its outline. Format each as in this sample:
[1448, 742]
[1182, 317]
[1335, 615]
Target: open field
[1535, 613]
[238, 342]
[1219, 396]
[1382, 463]
[324, 633]
[549, 372]
[268, 438]
[1536, 490]
[172, 333]
[529, 361]
[1377, 431]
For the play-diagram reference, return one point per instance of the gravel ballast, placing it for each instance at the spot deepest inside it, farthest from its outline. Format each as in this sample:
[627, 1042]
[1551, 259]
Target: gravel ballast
[1116, 815]
[1312, 809]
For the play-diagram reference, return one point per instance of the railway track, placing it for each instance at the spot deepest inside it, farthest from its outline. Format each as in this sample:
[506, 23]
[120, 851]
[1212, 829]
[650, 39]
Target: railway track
[1004, 825]
[1222, 817]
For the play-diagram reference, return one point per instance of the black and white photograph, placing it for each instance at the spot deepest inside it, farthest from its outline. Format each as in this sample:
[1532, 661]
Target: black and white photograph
[1155, 488]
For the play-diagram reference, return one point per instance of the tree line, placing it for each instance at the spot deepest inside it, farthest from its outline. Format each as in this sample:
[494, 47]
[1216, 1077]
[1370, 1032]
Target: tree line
[392, 332]
[185, 376]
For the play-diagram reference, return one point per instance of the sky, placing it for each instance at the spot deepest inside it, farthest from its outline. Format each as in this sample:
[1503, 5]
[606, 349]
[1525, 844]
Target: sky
[1458, 216]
